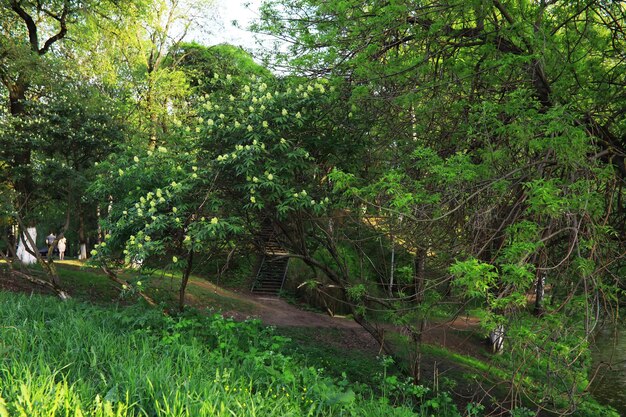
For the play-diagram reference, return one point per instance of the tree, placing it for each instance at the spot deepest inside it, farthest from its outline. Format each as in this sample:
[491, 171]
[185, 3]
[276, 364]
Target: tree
[30, 32]
[491, 137]
[201, 64]
[139, 50]
[33, 72]
[77, 126]
[177, 185]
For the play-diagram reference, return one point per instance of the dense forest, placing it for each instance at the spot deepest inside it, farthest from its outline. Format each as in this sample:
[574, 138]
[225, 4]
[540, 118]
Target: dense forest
[415, 162]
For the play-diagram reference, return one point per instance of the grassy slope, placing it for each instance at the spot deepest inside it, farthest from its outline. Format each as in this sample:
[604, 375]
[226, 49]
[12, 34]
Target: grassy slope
[77, 359]
[305, 343]
[93, 285]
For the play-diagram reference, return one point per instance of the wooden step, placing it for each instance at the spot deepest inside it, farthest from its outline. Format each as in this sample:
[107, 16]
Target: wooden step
[271, 275]
[273, 270]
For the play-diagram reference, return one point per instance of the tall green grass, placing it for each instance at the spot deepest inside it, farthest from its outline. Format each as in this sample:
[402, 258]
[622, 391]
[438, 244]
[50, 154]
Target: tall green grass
[73, 359]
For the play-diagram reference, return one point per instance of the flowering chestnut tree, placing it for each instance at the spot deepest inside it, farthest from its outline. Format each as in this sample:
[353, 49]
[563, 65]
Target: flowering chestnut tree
[238, 157]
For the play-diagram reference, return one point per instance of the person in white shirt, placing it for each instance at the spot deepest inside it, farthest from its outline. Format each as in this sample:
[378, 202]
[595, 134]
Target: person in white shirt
[61, 245]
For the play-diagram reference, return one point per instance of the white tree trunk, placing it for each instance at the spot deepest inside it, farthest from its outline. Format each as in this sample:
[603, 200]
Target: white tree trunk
[22, 254]
[83, 251]
[496, 339]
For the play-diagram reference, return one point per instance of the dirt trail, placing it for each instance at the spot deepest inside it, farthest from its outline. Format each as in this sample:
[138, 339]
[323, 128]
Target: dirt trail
[458, 335]
[274, 311]
[277, 312]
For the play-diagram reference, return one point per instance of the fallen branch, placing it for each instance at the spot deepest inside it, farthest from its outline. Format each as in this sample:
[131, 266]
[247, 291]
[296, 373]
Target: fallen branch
[58, 291]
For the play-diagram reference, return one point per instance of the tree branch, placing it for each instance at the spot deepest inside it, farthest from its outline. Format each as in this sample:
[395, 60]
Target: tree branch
[62, 30]
[113, 277]
[30, 24]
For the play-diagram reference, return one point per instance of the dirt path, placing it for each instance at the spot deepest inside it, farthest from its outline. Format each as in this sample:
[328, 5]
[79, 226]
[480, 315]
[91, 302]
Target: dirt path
[274, 311]
[458, 335]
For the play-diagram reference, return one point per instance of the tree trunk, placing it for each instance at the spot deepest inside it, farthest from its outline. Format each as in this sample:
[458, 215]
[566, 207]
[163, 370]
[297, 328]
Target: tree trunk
[540, 284]
[419, 279]
[539, 293]
[60, 293]
[11, 242]
[152, 123]
[419, 274]
[416, 353]
[184, 281]
[82, 239]
[28, 237]
[17, 96]
[496, 339]
[22, 158]
[98, 214]
[26, 241]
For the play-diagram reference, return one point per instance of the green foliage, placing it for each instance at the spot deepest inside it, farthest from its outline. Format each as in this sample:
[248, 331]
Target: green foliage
[480, 139]
[319, 347]
[544, 197]
[356, 292]
[556, 346]
[173, 201]
[262, 142]
[475, 277]
[222, 69]
[486, 139]
[135, 362]
[67, 134]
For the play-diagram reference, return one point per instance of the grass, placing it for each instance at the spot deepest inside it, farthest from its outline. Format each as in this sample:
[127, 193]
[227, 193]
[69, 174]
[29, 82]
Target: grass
[89, 283]
[163, 286]
[470, 362]
[315, 347]
[312, 349]
[500, 374]
[86, 282]
[127, 361]
[84, 360]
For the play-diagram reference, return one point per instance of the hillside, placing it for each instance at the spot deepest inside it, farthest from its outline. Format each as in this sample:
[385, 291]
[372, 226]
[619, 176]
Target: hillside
[72, 358]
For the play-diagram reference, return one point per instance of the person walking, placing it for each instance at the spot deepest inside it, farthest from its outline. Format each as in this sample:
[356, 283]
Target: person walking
[50, 239]
[61, 245]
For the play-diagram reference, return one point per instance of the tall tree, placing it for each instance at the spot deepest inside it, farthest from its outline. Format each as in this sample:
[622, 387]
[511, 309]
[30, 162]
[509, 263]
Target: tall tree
[496, 133]
[34, 73]
[30, 32]
[139, 52]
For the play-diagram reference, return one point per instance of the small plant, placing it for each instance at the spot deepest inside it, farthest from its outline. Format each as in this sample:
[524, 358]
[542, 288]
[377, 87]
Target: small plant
[474, 410]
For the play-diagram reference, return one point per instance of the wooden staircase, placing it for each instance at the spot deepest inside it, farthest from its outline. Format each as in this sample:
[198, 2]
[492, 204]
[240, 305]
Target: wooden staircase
[271, 275]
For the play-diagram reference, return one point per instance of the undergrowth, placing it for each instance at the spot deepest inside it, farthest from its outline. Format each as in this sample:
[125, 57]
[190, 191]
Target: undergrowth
[75, 359]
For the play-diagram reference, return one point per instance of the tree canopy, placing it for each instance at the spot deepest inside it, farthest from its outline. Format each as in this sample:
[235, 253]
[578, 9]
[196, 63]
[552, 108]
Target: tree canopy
[423, 159]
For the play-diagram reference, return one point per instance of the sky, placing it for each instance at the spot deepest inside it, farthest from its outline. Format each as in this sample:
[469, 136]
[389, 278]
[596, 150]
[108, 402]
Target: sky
[227, 11]
[218, 28]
